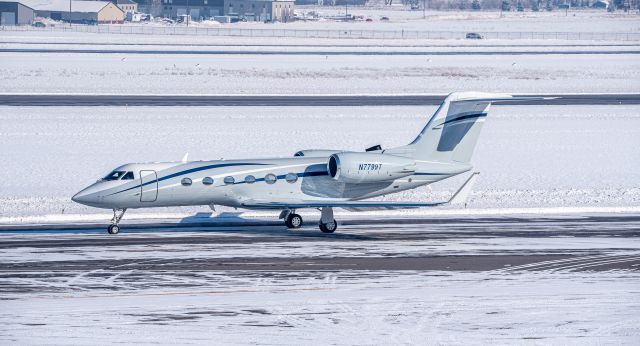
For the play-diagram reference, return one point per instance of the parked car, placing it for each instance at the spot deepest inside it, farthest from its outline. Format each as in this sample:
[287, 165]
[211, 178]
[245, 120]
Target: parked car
[384, 18]
[39, 24]
[474, 36]
[368, 20]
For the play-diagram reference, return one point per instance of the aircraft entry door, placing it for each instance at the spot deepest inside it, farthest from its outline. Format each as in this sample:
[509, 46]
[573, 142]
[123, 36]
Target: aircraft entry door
[148, 186]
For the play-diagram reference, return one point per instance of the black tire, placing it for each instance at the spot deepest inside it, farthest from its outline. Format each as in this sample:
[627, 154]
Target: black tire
[113, 229]
[329, 227]
[294, 221]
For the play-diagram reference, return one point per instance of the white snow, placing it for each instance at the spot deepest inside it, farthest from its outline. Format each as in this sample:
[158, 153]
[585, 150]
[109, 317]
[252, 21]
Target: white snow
[529, 156]
[340, 308]
[128, 73]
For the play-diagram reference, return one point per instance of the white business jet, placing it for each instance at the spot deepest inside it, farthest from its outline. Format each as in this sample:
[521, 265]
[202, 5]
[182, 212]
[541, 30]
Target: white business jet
[319, 179]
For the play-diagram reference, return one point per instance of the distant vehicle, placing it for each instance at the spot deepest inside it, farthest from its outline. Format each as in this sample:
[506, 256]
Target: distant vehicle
[384, 18]
[311, 179]
[474, 36]
[39, 24]
[369, 20]
[145, 17]
[184, 18]
[168, 21]
[89, 22]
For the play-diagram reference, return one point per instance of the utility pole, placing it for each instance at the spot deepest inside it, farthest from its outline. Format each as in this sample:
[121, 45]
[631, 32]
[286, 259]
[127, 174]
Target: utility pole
[346, 9]
[188, 13]
[424, 9]
[69, 13]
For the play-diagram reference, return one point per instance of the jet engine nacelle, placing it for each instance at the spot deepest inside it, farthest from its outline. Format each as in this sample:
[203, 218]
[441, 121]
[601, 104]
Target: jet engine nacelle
[368, 167]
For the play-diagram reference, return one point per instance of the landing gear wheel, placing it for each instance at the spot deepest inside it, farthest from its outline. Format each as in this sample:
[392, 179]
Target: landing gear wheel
[117, 216]
[113, 229]
[329, 227]
[294, 221]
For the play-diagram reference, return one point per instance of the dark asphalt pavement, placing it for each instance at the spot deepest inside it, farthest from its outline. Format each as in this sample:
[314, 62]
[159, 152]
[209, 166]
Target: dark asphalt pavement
[290, 100]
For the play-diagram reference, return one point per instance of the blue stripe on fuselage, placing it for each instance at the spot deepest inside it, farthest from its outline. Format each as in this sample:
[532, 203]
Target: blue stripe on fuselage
[191, 170]
[303, 174]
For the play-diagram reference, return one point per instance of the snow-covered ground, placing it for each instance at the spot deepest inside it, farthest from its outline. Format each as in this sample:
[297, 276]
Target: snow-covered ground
[129, 73]
[529, 156]
[342, 308]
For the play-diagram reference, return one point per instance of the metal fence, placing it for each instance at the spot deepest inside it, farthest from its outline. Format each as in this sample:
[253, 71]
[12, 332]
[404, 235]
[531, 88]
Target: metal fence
[301, 33]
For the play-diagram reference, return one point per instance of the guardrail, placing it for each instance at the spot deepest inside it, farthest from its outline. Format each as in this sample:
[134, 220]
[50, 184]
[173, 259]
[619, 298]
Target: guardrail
[303, 33]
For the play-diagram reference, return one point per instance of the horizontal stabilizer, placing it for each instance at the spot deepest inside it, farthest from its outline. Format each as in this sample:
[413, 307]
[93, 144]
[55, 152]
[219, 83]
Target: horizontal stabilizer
[460, 197]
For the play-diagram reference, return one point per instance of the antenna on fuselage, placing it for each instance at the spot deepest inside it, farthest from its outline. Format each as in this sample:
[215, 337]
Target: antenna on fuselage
[185, 158]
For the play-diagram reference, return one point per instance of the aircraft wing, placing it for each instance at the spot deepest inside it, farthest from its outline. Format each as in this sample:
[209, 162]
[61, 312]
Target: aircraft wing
[459, 197]
[349, 205]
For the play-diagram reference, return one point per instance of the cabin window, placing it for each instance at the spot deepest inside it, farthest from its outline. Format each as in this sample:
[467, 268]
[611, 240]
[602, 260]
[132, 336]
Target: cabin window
[115, 175]
[186, 181]
[229, 180]
[270, 178]
[207, 181]
[128, 176]
[291, 178]
[249, 179]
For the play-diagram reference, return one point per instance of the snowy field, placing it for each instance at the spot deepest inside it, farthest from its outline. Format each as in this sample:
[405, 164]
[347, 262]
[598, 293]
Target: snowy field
[344, 309]
[528, 156]
[484, 275]
[129, 73]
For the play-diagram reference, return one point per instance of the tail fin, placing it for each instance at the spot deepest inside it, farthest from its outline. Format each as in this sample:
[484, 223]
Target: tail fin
[452, 132]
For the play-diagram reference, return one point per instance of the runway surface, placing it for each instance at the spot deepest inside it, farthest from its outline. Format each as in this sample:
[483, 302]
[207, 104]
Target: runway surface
[576, 243]
[314, 52]
[326, 45]
[460, 280]
[291, 100]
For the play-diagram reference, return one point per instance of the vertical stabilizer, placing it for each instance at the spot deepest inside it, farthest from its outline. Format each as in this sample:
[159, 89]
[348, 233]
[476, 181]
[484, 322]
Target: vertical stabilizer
[453, 131]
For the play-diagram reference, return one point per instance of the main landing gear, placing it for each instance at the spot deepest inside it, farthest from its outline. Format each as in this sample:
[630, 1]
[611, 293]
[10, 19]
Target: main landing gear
[327, 223]
[294, 221]
[117, 216]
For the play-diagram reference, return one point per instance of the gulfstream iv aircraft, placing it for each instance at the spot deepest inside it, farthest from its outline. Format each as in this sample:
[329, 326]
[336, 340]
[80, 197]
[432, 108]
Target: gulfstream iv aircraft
[320, 179]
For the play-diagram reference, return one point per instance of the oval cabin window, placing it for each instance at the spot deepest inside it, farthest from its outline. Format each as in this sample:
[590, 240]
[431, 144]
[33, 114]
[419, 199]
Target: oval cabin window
[270, 178]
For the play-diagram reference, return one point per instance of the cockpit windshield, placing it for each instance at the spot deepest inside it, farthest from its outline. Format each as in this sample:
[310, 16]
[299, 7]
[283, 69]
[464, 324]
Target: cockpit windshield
[117, 175]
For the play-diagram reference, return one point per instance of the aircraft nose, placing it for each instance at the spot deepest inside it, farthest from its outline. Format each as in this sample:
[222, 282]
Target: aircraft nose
[87, 196]
[81, 197]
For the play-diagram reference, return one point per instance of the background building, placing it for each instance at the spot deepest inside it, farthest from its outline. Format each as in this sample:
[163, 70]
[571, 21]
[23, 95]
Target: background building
[127, 6]
[260, 10]
[77, 11]
[175, 8]
[15, 13]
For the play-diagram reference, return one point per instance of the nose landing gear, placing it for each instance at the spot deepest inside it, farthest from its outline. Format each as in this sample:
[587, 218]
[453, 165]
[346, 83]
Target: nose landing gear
[117, 216]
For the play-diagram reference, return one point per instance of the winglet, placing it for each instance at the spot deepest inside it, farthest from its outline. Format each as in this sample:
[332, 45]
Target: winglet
[460, 197]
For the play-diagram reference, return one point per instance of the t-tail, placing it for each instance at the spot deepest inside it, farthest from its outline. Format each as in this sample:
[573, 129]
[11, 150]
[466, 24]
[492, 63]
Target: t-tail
[452, 133]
